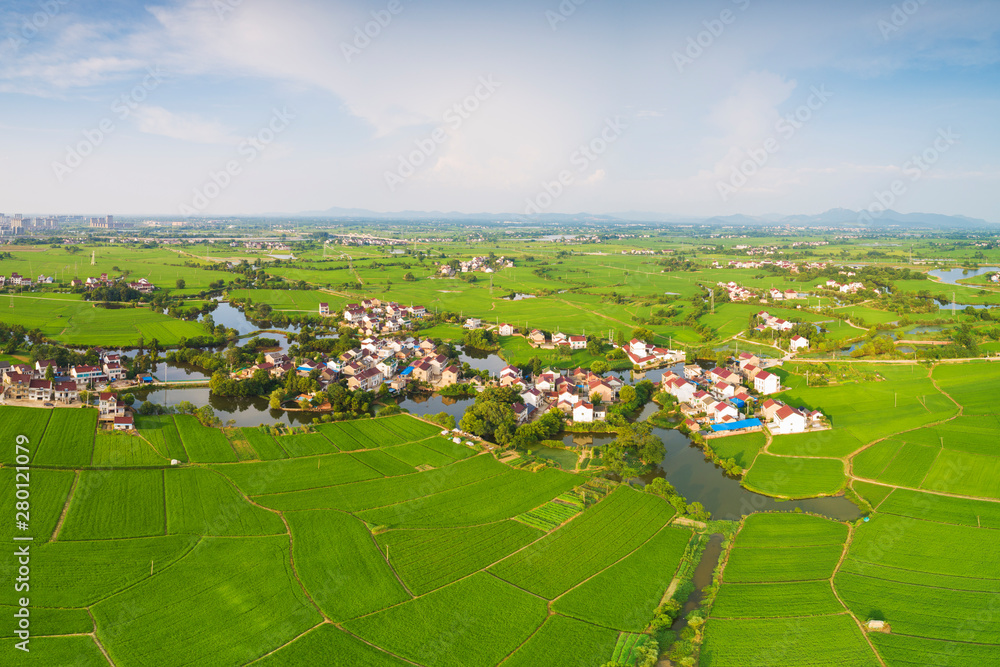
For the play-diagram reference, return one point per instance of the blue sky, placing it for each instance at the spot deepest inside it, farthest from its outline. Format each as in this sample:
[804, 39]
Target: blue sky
[218, 107]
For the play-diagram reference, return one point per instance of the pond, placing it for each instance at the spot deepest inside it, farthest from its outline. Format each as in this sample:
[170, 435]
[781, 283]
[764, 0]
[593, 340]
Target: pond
[251, 411]
[952, 276]
[481, 359]
[518, 296]
[232, 317]
[434, 404]
[924, 330]
[697, 479]
[961, 306]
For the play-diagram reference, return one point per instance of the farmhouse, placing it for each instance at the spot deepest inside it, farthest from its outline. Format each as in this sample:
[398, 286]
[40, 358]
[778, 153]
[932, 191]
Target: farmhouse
[506, 330]
[536, 337]
[766, 383]
[798, 343]
[788, 420]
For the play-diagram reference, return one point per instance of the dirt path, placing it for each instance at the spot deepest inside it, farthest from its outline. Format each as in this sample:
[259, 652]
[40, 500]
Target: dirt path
[69, 498]
[836, 594]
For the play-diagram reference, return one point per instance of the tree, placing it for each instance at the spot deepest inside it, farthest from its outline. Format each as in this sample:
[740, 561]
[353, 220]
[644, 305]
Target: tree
[596, 398]
[627, 393]
[85, 397]
[50, 372]
[600, 367]
[128, 399]
[595, 347]
[408, 277]
[275, 402]
[180, 283]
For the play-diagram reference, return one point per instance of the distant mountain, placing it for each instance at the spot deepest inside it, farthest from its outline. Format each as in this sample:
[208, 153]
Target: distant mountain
[835, 217]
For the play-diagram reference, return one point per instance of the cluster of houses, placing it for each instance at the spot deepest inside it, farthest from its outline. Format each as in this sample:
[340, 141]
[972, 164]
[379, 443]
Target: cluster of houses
[720, 398]
[27, 382]
[141, 285]
[848, 288]
[771, 322]
[482, 264]
[373, 316]
[582, 395]
[644, 356]
[273, 246]
[24, 381]
[778, 295]
[737, 292]
[538, 338]
[24, 282]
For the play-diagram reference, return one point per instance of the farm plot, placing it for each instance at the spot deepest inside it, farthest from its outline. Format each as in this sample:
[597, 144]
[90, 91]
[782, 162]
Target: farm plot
[449, 448]
[240, 445]
[626, 646]
[938, 548]
[552, 514]
[69, 438]
[491, 499]
[565, 641]
[834, 443]
[333, 553]
[873, 493]
[383, 462]
[372, 431]
[232, 616]
[115, 504]
[82, 573]
[29, 422]
[306, 444]
[795, 478]
[342, 438]
[410, 428]
[790, 530]
[116, 449]
[624, 595]
[362, 495]
[810, 640]
[429, 559]
[203, 444]
[756, 565]
[479, 619]
[326, 645]
[959, 511]
[806, 598]
[975, 434]
[909, 466]
[262, 442]
[415, 454]
[619, 524]
[925, 609]
[965, 474]
[872, 461]
[162, 433]
[201, 502]
[49, 490]
[294, 474]
[49, 621]
[917, 651]
[76, 651]
[743, 448]
[979, 397]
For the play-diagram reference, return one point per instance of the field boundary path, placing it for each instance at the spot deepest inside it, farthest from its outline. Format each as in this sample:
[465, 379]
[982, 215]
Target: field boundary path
[836, 594]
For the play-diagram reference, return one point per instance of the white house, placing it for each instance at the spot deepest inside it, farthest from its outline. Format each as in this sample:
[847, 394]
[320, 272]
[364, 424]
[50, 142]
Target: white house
[583, 412]
[723, 410]
[506, 330]
[798, 343]
[787, 420]
[766, 383]
[577, 342]
[124, 423]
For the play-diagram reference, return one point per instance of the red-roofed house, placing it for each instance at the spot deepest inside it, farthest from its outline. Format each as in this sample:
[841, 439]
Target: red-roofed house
[766, 383]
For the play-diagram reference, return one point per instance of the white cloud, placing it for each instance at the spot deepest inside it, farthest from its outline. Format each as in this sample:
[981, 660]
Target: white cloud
[186, 127]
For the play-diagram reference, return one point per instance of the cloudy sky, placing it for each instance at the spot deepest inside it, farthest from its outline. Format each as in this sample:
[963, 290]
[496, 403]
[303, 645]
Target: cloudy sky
[216, 107]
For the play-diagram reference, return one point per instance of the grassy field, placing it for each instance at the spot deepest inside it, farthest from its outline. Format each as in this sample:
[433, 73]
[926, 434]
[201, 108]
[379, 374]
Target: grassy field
[116, 504]
[116, 449]
[624, 595]
[743, 448]
[69, 438]
[200, 502]
[795, 477]
[808, 640]
[203, 444]
[161, 432]
[565, 641]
